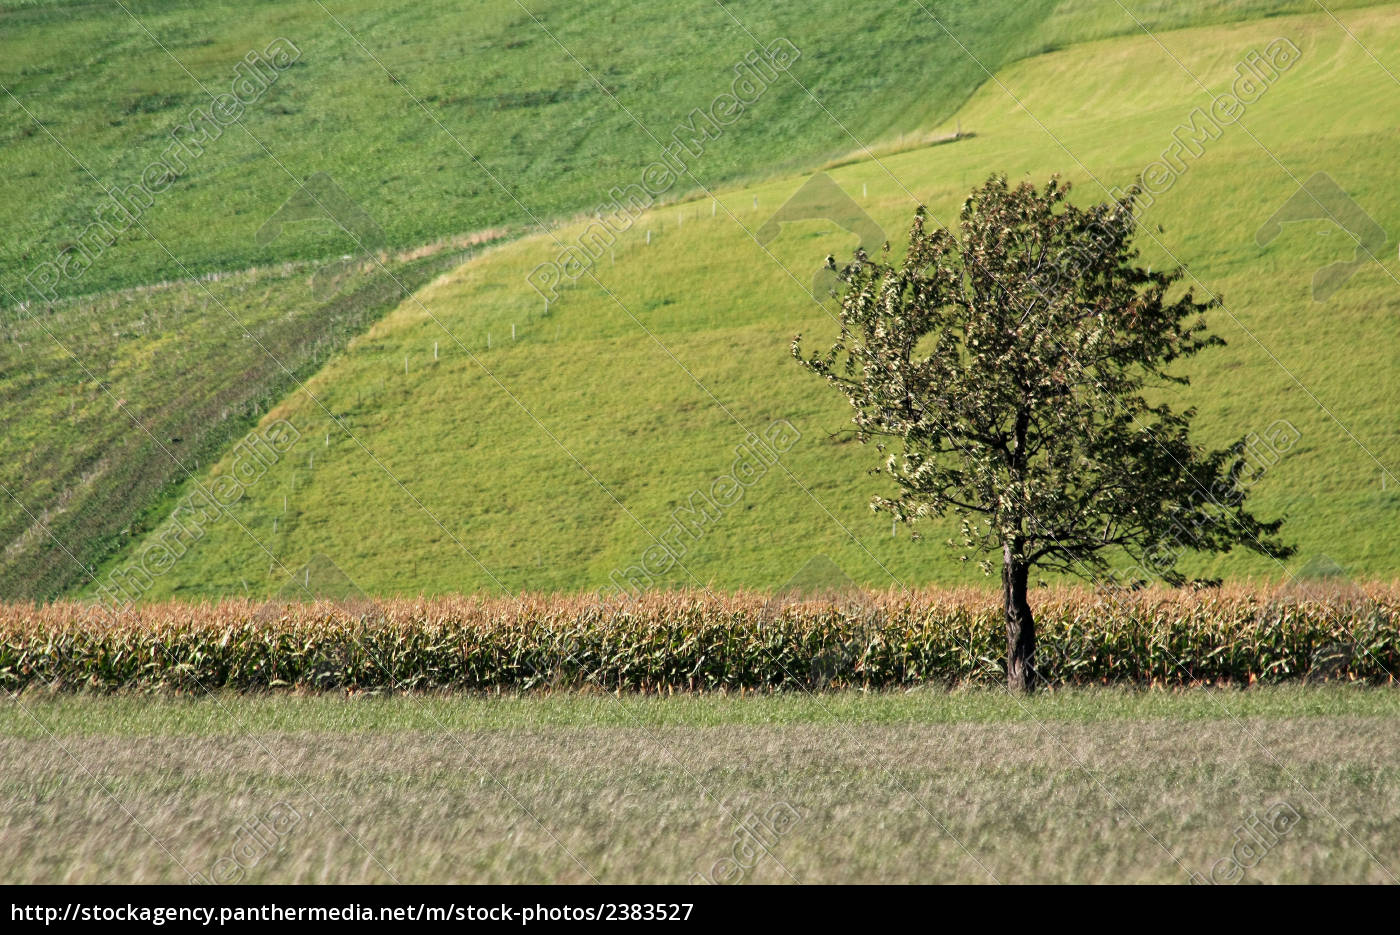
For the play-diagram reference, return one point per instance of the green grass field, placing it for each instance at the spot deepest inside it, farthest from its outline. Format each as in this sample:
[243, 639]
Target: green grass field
[923, 787]
[94, 475]
[111, 405]
[547, 461]
[109, 82]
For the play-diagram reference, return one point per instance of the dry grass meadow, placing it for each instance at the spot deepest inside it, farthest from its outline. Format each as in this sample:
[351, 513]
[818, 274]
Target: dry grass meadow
[1083, 785]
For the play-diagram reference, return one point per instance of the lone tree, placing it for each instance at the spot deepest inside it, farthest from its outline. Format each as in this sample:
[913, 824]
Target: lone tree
[1004, 369]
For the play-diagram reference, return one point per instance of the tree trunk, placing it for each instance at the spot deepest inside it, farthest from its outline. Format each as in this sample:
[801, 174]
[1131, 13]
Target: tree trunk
[1020, 625]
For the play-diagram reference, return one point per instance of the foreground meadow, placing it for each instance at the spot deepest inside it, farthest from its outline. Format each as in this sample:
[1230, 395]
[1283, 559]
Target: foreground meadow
[855, 737]
[1284, 784]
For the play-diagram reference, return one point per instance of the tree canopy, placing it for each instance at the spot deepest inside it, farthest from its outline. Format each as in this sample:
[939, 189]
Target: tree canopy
[1016, 373]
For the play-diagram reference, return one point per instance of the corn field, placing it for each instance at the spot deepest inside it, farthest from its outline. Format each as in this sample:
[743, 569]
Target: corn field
[686, 641]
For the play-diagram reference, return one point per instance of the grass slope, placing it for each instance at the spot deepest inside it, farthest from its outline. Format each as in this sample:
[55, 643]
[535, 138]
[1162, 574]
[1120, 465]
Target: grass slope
[109, 406]
[1081, 786]
[88, 90]
[93, 91]
[538, 138]
[548, 461]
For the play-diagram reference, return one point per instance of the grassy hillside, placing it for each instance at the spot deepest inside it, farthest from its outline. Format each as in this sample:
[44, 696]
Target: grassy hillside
[92, 93]
[109, 405]
[112, 398]
[543, 139]
[548, 461]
